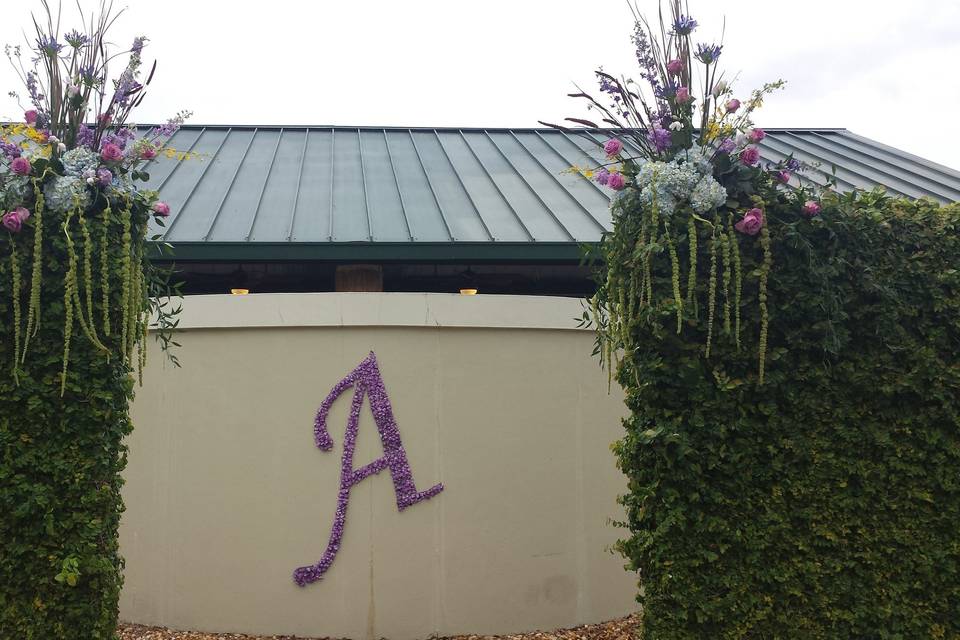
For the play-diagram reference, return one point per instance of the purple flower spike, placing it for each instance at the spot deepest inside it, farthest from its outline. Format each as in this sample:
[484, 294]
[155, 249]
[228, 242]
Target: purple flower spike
[365, 379]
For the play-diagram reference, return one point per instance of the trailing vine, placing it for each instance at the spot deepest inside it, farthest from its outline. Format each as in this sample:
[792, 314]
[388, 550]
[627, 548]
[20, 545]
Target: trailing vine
[15, 273]
[712, 295]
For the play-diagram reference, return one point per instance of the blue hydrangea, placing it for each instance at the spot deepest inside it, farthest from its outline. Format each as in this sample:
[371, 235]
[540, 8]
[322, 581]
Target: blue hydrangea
[62, 194]
[681, 183]
[78, 160]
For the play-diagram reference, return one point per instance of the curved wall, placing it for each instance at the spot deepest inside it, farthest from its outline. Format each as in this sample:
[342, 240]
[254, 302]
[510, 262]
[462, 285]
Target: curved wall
[497, 397]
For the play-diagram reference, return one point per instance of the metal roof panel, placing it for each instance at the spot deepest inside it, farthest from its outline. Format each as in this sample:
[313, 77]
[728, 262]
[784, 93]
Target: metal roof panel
[284, 186]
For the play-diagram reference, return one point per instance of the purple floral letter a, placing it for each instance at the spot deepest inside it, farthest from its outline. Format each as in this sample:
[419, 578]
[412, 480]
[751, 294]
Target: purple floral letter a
[365, 379]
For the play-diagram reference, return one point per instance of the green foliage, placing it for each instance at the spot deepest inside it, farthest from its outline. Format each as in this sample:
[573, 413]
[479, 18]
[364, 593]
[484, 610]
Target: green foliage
[61, 452]
[824, 503]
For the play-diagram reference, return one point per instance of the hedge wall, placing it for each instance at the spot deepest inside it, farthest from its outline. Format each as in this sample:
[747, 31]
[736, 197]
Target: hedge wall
[61, 453]
[824, 503]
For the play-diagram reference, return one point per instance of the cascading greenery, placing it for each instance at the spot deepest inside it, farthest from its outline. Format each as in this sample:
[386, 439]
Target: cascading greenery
[824, 503]
[64, 412]
[77, 292]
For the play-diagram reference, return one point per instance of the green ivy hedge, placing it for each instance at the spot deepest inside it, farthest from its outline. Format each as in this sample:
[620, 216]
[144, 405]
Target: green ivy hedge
[824, 503]
[61, 454]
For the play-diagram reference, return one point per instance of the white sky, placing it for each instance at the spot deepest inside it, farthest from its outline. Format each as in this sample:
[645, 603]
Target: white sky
[886, 69]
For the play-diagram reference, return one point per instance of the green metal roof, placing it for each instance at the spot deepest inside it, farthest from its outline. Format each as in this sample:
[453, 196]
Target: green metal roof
[439, 194]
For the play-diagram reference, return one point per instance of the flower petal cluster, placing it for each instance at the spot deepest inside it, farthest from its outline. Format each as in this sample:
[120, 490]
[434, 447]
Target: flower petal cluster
[680, 183]
[64, 193]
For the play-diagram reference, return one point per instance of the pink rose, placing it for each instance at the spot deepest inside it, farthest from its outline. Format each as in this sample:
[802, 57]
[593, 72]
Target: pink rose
[683, 95]
[20, 166]
[751, 223]
[811, 208]
[616, 181]
[30, 116]
[22, 212]
[148, 153]
[12, 221]
[111, 153]
[613, 147]
[783, 176]
[756, 135]
[750, 156]
[161, 209]
[675, 67]
[732, 105]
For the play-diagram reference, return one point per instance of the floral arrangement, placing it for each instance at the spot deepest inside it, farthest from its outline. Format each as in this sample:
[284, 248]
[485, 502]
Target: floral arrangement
[366, 380]
[693, 168]
[73, 166]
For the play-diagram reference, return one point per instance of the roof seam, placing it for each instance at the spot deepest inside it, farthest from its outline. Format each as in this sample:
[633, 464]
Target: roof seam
[396, 181]
[497, 187]
[193, 189]
[529, 188]
[263, 187]
[226, 192]
[433, 192]
[296, 195]
[456, 173]
[563, 187]
[363, 183]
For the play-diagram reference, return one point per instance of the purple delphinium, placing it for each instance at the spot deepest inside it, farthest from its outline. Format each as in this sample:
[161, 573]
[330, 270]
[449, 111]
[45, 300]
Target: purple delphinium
[84, 136]
[708, 53]
[684, 25]
[137, 46]
[660, 138]
[648, 64]
[366, 380]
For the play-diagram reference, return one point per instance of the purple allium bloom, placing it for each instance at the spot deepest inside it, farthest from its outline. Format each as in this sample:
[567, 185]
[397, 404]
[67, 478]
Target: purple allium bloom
[684, 25]
[366, 380]
[76, 39]
[659, 138]
[728, 145]
[793, 164]
[708, 53]
[49, 45]
[602, 177]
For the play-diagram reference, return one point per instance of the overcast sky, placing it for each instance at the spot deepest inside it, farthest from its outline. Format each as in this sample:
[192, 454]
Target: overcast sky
[886, 69]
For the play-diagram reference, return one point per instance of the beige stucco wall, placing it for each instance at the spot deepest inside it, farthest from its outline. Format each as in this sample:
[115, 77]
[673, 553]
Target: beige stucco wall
[496, 397]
